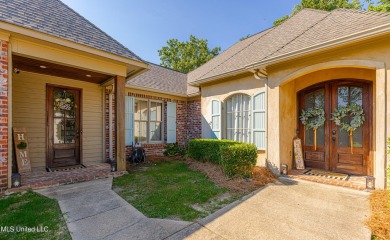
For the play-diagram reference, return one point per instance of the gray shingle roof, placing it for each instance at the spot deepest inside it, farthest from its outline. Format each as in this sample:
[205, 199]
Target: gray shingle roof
[55, 18]
[164, 80]
[307, 28]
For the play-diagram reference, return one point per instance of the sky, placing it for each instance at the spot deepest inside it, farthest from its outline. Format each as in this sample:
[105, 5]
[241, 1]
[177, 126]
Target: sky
[144, 26]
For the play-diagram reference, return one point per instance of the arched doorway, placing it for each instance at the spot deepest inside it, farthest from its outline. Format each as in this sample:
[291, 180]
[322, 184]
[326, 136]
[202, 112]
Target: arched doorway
[330, 148]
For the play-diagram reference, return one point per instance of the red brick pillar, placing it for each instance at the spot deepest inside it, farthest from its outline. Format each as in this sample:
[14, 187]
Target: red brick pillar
[3, 115]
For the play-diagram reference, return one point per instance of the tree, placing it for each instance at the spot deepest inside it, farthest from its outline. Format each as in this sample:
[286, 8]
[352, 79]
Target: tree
[247, 36]
[326, 5]
[383, 6]
[188, 55]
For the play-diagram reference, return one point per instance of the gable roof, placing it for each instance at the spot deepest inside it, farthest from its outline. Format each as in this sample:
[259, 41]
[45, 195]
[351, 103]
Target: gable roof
[307, 28]
[165, 80]
[55, 18]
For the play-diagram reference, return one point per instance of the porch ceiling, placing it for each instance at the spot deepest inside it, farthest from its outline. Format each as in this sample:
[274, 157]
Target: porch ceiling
[53, 69]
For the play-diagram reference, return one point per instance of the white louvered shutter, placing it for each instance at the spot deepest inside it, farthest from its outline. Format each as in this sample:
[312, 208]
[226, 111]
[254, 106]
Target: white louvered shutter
[215, 119]
[129, 128]
[171, 122]
[259, 121]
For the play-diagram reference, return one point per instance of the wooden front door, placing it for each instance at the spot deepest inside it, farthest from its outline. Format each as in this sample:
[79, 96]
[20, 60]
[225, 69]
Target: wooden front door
[330, 147]
[63, 122]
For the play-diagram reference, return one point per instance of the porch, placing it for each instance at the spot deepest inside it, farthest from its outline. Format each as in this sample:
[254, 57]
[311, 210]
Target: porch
[39, 178]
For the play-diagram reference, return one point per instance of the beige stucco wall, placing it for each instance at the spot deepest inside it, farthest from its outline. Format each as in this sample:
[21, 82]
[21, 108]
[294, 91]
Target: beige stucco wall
[365, 61]
[223, 90]
[29, 111]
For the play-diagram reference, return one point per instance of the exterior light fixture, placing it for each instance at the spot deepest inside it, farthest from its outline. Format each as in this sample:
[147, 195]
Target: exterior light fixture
[113, 166]
[284, 169]
[88, 75]
[16, 180]
[370, 183]
[42, 66]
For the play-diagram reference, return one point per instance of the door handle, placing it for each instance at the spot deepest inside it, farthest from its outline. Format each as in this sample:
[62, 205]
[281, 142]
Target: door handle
[334, 132]
[333, 139]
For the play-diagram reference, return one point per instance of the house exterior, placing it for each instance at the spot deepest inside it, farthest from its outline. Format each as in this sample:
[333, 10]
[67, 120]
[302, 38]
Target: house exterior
[79, 94]
[255, 91]
[83, 98]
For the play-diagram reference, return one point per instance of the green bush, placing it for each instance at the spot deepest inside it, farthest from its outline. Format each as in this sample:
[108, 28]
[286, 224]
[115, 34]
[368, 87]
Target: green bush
[207, 150]
[238, 159]
[173, 149]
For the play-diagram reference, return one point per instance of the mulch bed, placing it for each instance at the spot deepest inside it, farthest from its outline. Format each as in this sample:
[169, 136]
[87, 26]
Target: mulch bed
[260, 176]
[379, 222]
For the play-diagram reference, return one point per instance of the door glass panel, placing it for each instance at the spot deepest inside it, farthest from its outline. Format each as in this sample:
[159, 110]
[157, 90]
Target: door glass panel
[358, 138]
[59, 131]
[64, 107]
[356, 96]
[350, 95]
[315, 99]
[70, 131]
[342, 96]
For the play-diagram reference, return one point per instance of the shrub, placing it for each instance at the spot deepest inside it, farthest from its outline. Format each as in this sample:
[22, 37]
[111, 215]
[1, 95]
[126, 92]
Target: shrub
[238, 159]
[207, 150]
[173, 149]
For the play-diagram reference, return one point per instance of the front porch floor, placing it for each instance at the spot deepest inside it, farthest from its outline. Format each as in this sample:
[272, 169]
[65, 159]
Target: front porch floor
[41, 178]
[354, 182]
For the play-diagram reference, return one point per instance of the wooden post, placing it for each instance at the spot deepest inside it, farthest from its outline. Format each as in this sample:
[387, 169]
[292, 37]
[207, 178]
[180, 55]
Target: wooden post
[120, 140]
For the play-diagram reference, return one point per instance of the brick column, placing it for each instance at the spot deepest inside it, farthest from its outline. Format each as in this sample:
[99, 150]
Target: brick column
[3, 115]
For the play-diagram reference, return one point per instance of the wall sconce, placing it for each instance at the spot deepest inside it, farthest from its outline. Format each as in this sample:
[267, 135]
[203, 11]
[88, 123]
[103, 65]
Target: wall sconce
[16, 180]
[113, 166]
[370, 183]
[284, 169]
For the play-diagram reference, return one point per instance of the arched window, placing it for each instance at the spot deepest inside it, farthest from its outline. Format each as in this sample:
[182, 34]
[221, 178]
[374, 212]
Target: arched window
[238, 117]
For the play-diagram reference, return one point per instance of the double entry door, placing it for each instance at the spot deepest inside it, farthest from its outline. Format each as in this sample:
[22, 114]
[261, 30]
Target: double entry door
[331, 147]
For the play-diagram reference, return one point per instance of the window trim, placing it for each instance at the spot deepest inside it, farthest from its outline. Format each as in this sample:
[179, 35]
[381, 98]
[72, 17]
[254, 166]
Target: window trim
[148, 135]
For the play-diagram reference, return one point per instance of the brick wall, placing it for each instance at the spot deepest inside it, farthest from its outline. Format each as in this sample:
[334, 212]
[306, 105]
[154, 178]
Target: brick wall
[194, 119]
[3, 116]
[182, 123]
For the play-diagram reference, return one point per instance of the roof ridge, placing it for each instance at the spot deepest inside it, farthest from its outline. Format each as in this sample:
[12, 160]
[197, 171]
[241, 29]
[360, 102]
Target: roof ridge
[270, 30]
[158, 65]
[313, 10]
[366, 12]
[327, 15]
[255, 34]
[100, 30]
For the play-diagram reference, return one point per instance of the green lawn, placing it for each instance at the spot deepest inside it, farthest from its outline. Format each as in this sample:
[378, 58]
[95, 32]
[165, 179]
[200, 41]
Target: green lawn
[171, 190]
[31, 210]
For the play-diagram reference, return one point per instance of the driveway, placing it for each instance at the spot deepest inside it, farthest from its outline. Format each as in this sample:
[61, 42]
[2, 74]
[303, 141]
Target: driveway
[288, 209]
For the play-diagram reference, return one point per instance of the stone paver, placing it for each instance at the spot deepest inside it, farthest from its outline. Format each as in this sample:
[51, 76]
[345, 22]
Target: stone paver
[288, 209]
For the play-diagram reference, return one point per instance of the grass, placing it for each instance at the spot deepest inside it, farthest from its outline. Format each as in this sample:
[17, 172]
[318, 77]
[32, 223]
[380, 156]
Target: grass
[171, 190]
[31, 210]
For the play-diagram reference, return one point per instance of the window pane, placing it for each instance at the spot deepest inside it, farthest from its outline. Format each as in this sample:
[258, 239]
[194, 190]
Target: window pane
[153, 111]
[238, 118]
[70, 131]
[155, 131]
[358, 137]
[140, 131]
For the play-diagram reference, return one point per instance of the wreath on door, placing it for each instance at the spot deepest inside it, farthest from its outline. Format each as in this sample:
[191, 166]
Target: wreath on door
[313, 118]
[356, 114]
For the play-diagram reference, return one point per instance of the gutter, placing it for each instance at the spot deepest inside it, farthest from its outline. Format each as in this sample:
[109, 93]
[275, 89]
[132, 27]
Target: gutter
[362, 35]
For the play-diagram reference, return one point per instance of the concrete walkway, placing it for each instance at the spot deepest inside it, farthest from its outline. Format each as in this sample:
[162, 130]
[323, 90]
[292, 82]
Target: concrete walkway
[93, 211]
[285, 210]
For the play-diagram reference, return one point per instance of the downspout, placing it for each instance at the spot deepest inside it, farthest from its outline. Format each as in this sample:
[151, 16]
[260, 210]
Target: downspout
[10, 118]
[110, 135]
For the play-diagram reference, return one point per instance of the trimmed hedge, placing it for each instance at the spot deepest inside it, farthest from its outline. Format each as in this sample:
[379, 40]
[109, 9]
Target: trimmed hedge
[207, 150]
[238, 159]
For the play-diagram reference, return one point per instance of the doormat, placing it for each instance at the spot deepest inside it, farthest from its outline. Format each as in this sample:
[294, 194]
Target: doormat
[67, 168]
[319, 173]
